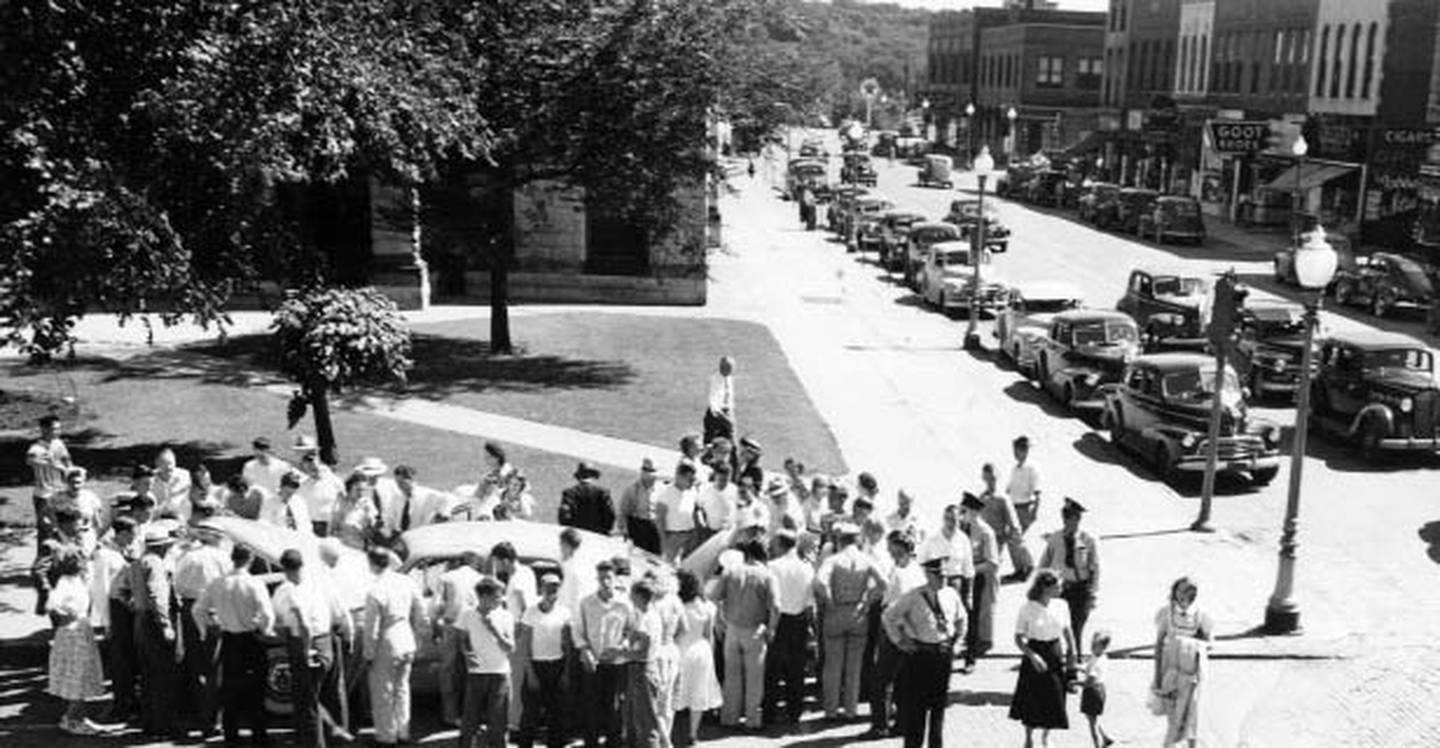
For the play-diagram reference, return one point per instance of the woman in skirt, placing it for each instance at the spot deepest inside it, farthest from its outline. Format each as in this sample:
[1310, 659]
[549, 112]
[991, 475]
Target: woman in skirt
[1182, 636]
[1042, 634]
[75, 674]
[697, 690]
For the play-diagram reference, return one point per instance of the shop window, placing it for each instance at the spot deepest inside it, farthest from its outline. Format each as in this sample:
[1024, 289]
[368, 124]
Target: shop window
[1354, 61]
[1320, 62]
[1049, 72]
[1369, 61]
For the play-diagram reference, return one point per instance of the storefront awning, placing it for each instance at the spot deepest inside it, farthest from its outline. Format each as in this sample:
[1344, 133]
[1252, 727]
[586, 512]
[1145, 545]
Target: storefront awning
[1093, 141]
[1309, 175]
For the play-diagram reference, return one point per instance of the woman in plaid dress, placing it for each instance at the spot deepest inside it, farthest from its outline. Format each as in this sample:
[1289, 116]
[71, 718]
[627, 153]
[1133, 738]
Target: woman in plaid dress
[74, 656]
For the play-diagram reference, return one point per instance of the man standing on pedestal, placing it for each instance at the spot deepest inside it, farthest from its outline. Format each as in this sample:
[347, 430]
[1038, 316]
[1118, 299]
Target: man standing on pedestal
[720, 413]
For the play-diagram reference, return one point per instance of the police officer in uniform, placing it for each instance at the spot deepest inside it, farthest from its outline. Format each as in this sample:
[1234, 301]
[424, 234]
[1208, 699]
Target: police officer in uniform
[925, 623]
[1074, 556]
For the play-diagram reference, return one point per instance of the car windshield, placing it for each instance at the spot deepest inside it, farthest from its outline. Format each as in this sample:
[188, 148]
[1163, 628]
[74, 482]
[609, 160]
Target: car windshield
[1100, 332]
[1198, 385]
[1169, 285]
[1275, 321]
[1180, 207]
[1411, 359]
[931, 234]
[954, 257]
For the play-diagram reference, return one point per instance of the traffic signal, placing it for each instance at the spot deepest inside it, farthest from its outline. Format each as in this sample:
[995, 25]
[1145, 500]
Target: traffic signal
[1282, 137]
[1229, 300]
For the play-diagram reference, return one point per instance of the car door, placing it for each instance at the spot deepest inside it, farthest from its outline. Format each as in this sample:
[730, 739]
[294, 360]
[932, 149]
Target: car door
[1126, 407]
[1345, 382]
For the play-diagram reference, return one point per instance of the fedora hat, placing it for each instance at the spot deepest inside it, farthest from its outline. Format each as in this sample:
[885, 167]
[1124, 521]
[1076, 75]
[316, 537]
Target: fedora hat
[372, 467]
[586, 470]
[305, 444]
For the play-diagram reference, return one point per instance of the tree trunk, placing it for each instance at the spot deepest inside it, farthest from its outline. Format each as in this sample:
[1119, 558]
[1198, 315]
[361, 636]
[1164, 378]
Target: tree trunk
[319, 397]
[500, 303]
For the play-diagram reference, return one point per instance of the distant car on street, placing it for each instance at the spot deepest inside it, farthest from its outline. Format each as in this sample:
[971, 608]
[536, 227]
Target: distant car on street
[1101, 206]
[1378, 390]
[865, 218]
[1172, 309]
[1082, 350]
[1173, 217]
[1271, 341]
[895, 233]
[1133, 202]
[805, 172]
[1160, 411]
[842, 203]
[1384, 282]
[1026, 319]
[1046, 188]
[1347, 262]
[922, 236]
[965, 213]
[946, 280]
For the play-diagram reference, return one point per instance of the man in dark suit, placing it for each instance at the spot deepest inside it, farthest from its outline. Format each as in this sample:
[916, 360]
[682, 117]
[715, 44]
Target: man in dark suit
[586, 505]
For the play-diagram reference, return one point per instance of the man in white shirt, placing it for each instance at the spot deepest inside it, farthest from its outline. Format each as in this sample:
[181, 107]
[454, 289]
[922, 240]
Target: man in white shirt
[903, 518]
[717, 505]
[48, 459]
[520, 594]
[602, 620]
[577, 579]
[979, 638]
[320, 488]
[418, 505]
[925, 623]
[545, 635]
[720, 405]
[306, 616]
[1024, 485]
[785, 667]
[785, 512]
[953, 545]
[488, 637]
[393, 610]
[457, 595]
[285, 508]
[675, 513]
[904, 575]
[171, 487]
[200, 562]
[236, 609]
[264, 469]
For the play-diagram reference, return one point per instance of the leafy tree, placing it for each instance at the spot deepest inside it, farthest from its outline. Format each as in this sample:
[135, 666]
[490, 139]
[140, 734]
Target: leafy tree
[332, 339]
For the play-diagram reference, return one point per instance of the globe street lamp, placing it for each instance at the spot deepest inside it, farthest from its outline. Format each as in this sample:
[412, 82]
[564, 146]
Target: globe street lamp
[925, 117]
[970, 133]
[984, 164]
[1299, 148]
[1011, 115]
[1315, 263]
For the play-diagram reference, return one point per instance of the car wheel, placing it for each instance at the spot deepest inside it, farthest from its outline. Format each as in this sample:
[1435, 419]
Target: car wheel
[278, 679]
[1164, 463]
[940, 302]
[1263, 476]
[1067, 395]
[1279, 278]
[1371, 432]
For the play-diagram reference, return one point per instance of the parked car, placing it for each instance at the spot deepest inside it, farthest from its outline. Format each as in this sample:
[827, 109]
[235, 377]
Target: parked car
[428, 551]
[805, 172]
[1383, 282]
[1132, 203]
[842, 202]
[1171, 309]
[1378, 389]
[936, 171]
[1045, 188]
[1173, 217]
[965, 213]
[1284, 260]
[858, 169]
[813, 149]
[1270, 344]
[267, 542]
[1026, 318]
[947, 279]
[1161, 410]
[1014, 182]
[864, 217]
[1082, 350]
[894, 233]
[1101, 206]
[922, 235]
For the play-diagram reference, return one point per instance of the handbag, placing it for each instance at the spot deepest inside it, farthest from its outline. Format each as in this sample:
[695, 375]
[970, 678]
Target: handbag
[1158, 704]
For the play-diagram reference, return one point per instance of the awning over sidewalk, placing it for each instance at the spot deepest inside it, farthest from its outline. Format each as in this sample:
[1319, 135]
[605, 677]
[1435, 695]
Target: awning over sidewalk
[1310, 175]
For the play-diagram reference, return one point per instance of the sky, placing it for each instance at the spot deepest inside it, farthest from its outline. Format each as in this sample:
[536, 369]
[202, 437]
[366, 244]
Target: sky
[960, 4]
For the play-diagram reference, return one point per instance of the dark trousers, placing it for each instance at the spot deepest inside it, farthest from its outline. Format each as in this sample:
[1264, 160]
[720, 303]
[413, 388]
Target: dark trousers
[122, 661]
[882, 697]
[308, 677]
[603, 691]
[975, 647]
[159, 681]
[544, 706]
[1080, 596]
[43, 532]
[642, 699]
[487, 707]
[644, 533]
[874, 632]
[198, 677]
[718, 425]
[924, 687]
[785, 668]
[242, 685]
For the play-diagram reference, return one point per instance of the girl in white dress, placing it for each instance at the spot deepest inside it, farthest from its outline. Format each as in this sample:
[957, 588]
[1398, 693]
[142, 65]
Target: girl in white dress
[1182, 636]
[75, 674]
[696, 689]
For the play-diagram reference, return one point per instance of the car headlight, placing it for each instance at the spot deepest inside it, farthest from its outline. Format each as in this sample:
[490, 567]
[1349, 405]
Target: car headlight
[1092, 379]
[1188, 441]
[1272, 435]
[1278, 365]
[1406, 404]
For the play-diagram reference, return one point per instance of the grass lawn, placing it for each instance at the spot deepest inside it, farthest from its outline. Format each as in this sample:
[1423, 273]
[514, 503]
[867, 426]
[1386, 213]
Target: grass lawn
[633, 377]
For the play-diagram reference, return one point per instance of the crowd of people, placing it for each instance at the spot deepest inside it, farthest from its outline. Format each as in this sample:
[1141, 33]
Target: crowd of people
[812, 575]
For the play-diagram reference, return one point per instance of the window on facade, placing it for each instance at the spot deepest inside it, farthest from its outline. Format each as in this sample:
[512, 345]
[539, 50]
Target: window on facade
[1184, 60]
[1336, 68]
[1320, 62]
[1369, 61]
[1354, 61]
[1089, 71]
[1049, 71]
[1167, 74]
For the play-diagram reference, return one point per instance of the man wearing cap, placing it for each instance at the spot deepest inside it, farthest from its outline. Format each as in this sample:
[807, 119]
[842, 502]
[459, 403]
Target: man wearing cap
[904, 575]
[148, 590]
[200, 562]
[675, 514]
[953, 545]
[264, 469]
[600, 640]
[49, 459]
[746, 598]
[795, 596]
[320, 488]
[586, 505]
[786, 513]
[236, 609]
[638, 510]
[719, 418]
[747, 463]
[925, 623]
[171, 487]
[305, 616]
[544, 641]
[981, 605]
[393, 610]
[847, 582]
[285, 508]
[1075, 557]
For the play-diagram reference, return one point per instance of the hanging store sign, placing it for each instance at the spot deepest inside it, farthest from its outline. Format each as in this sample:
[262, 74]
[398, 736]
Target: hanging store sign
[1239, 137]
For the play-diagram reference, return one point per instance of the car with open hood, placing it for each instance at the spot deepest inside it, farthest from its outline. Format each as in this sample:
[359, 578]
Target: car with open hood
[965, 213]
[947, 279]
[1269, 345]
[1379, 390]
[1171, 308]
[1025, 319]
[1385, 282]
[1082, 350]
[1160, 410]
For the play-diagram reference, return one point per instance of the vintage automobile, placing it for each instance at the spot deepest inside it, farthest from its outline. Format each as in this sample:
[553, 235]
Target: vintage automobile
[858, 169]
[1284, 260]
[268, 542]
[842, 201]
[1173, 217]
[1046, 188]
[1092, 198]
[936, 171]
[1378, 389]
[965, 213]
[428, 551]
[805, 172]
[947, 280]
[1015, 181]
[864, 217]
[813, 148]
[1082, 350]
[895, 233]
[1161, 411]
[1383, 282]
[1171, 309]
[1026, 318]
[1129, 206]
[922, 235]
[1270, 341]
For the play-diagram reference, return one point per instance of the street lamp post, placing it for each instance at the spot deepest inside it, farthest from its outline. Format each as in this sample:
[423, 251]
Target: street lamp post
[1315, 263]
[1011, 115]
[984, 164]
[1299, 148]
[970, 133]
[925, 118]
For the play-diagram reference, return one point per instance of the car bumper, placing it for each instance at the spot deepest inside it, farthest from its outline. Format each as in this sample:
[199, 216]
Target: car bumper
[1282, 382]
[1196, 463]
[1411, 443]
[963, 302]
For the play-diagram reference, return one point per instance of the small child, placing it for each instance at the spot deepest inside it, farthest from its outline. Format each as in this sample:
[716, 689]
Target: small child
[1092, 689]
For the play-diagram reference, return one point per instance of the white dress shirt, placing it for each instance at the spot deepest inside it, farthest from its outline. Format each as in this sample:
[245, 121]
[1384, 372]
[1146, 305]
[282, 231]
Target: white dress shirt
[722, 393]
[305, 602]
[960, 559]
[1024, 482]
[267, 474]
[719, 505]
[794, 583]
[679, 506]
[273, 510]
[172, 495]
